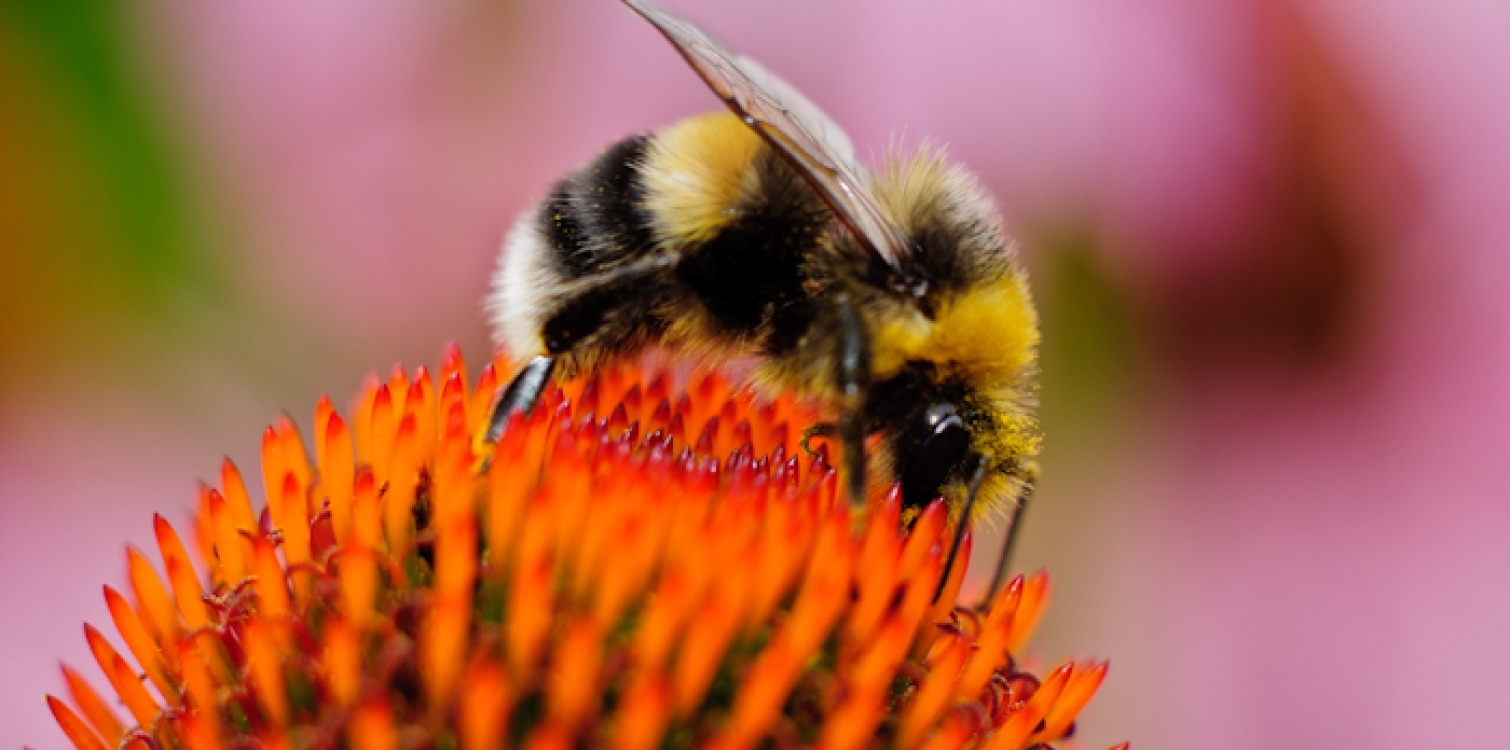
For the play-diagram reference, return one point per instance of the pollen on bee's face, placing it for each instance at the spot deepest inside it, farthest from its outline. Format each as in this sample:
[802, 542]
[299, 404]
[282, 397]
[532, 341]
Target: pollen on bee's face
[644, 561]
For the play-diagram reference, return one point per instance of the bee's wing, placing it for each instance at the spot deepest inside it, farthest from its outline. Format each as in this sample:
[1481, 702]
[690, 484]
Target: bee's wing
[810, 140]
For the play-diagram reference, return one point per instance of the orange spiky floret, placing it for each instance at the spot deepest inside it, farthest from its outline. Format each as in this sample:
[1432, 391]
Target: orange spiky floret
[643, 562]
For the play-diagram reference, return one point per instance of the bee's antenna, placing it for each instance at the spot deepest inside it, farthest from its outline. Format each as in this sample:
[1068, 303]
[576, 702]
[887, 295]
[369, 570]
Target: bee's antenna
[1009, 540]
[961, 524]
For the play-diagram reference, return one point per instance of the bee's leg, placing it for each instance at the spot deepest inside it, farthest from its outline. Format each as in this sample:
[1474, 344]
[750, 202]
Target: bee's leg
[818, 430]
[854, 383]
[976, 479]
[521, 394]
[1009, 540]
[588, 304]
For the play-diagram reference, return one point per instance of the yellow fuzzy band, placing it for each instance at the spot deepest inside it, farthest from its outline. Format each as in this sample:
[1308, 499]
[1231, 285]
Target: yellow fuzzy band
[987, 333]
[694, 175]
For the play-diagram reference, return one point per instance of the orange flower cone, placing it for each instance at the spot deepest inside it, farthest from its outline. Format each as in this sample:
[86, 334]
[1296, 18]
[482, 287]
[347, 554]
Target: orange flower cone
[641, 565]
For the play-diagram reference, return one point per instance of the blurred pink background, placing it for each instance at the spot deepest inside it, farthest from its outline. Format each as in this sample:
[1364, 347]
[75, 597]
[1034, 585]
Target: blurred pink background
[1269, 240]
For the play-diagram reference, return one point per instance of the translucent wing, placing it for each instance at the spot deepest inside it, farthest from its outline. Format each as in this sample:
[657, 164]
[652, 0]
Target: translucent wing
[812, 142]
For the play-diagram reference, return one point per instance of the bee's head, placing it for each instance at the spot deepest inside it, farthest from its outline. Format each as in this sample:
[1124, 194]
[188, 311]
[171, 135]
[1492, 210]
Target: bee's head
[937, 451]
[937, 427]
[955, 350]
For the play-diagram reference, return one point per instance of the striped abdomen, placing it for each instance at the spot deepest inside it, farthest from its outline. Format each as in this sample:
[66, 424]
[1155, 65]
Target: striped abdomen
[698, 237]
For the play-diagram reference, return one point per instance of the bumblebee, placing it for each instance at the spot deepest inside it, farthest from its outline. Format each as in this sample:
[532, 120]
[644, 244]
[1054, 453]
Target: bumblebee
[892, 295]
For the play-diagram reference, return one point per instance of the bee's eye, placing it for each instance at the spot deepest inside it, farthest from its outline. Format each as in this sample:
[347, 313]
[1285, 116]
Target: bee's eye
[940, 446]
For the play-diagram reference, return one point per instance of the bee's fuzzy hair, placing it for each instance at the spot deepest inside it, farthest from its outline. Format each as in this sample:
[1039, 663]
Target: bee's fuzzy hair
[519, 301]
[920, 185]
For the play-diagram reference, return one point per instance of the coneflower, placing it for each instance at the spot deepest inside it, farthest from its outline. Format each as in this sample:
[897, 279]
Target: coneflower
[640, 565]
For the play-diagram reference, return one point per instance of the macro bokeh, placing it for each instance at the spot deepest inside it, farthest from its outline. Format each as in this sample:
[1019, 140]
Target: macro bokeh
[1270, 240]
